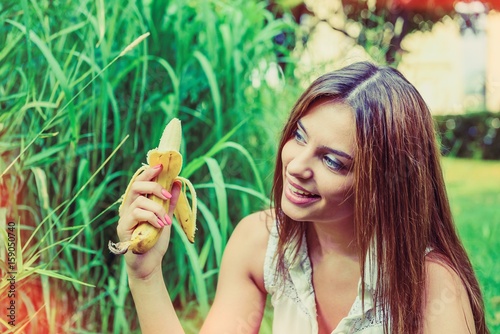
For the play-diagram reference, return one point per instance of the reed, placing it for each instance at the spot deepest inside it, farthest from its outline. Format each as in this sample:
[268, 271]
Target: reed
[82, 98]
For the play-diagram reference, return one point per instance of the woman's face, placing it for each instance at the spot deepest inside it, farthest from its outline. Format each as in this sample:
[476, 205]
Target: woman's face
[317, 165]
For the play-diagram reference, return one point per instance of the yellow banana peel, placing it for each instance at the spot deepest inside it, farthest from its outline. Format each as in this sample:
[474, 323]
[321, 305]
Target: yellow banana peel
[145, 235]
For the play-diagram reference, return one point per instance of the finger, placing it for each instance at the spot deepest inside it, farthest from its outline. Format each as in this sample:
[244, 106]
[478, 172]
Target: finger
[175, 192]
[128, 223]
[150, 173]
[133, 191]
[139, 188]
[155, 207]
[142, 187]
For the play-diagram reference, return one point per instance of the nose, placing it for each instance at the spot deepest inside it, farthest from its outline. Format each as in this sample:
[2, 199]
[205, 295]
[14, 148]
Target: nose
[300, 165]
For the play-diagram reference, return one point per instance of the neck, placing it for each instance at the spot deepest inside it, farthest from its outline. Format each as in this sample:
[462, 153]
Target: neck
[325, 240]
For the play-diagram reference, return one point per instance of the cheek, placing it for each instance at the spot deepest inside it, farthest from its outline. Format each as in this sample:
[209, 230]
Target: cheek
[286, 153]
[340, 189]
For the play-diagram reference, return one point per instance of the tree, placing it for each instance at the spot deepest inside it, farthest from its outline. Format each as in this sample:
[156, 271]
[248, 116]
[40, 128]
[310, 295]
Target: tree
[380, 26]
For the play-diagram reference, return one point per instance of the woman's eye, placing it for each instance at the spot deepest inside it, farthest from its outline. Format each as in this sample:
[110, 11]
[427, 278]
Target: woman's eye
[299, 137]
[333, 163]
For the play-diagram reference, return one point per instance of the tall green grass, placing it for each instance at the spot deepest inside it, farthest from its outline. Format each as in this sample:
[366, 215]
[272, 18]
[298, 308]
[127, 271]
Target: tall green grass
[76, 123]
[474, 193]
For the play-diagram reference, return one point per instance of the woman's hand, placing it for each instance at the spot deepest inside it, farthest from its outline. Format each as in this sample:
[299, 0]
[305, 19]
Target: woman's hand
[138, 208]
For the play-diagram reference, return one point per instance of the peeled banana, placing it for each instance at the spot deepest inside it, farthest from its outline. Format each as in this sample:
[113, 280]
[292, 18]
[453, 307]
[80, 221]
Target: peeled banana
[146, 235]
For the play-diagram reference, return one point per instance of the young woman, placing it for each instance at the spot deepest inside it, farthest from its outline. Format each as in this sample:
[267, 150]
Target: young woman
[360, 238]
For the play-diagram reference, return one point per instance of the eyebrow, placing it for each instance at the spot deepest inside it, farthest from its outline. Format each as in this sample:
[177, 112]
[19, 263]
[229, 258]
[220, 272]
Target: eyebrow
[326, 148]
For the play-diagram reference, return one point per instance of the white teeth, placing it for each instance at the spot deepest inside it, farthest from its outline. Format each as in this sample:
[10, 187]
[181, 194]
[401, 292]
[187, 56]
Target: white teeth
[299, 192]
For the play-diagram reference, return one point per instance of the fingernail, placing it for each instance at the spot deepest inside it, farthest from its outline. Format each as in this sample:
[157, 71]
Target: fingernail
[161, 223]
[166, 194]
[168, 220]
[157, 166]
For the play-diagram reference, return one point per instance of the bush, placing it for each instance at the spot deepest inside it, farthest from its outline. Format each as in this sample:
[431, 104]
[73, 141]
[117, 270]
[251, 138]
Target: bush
[474, 135]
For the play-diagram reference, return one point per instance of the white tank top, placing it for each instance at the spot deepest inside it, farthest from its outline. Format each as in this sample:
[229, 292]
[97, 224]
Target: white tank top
[295, 304]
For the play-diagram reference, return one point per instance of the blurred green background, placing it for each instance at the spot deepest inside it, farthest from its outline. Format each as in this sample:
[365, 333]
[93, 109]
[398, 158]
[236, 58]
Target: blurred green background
[77, 119]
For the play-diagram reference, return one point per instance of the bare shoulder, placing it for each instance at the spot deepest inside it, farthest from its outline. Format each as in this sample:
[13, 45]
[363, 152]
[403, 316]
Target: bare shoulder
[447, 306]
[241, 297]
[248, 243]
[255, 226]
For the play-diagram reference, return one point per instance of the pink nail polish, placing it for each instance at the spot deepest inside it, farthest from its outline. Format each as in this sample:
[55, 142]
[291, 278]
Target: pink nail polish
[161, 223]
[168, 220]
[157, 166]
[166, 194]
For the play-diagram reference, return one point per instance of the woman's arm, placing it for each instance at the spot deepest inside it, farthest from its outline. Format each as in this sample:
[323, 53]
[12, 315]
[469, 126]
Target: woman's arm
[154, 307]
[240, 299]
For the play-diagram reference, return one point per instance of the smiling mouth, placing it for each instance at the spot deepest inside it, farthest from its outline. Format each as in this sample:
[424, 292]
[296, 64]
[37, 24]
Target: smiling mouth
[301, 193]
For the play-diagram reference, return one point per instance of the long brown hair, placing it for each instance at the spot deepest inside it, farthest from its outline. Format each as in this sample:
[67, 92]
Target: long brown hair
[400, 195]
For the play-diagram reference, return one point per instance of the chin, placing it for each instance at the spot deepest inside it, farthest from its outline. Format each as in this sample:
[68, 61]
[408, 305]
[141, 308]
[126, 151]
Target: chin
[293, 212]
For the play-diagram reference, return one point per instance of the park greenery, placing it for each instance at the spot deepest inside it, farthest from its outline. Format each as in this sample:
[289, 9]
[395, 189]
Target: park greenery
[78, 116]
